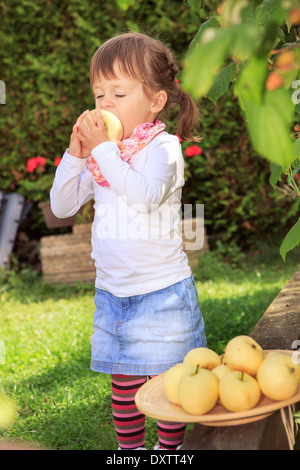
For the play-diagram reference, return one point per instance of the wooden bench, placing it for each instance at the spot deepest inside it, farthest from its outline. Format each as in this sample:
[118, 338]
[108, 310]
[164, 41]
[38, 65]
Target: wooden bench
[278, 328]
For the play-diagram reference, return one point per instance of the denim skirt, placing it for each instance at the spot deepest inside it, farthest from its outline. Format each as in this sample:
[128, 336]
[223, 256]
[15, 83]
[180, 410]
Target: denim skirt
[146, 334]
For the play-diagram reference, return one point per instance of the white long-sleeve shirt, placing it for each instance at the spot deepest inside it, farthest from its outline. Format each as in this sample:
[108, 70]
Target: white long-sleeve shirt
[136, 241]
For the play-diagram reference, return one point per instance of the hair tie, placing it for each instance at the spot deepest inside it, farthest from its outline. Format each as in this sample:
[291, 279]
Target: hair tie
[177, 81]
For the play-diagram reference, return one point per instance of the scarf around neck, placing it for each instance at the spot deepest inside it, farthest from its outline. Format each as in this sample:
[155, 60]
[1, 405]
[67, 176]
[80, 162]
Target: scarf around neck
[140, 137]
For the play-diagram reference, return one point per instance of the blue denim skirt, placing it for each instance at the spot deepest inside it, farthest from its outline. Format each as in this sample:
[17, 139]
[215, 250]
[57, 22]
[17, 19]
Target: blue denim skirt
[146, 334]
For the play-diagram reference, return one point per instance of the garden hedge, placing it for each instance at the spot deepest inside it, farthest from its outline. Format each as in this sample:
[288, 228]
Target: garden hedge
[45, 51]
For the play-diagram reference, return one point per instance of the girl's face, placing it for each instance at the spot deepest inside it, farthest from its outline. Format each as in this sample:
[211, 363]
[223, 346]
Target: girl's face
[124, 96]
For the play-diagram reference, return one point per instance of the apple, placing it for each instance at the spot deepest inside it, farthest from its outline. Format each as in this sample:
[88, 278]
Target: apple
[294, 16]
[204, 357]
[171, 380]
[7, 411]
[221, 370]
[285, 60]
[113, 125]
[244, 353]
[274, 81]
[278, 376]
[198, 391]
[239, 391]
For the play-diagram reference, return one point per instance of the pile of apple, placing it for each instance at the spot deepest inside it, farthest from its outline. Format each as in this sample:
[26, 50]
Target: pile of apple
[235, 380]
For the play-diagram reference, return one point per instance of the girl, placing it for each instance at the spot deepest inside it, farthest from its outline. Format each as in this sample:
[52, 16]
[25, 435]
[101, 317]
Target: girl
[147, 315]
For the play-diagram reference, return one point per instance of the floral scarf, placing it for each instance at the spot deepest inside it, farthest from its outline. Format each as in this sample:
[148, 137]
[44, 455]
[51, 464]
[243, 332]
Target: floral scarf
[140, 137]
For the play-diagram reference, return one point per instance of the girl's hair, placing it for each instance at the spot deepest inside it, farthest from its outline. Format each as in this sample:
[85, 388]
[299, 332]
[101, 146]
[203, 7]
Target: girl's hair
[152, 63]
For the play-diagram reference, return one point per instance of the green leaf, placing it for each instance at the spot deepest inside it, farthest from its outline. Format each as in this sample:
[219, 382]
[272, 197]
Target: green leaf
[291, 240]
[124, 4]
[246, 38]
[209, 51]
[210, 23]
[268, 114]
[270, 11]
[296, 145]
[275, 175]
[293, 173]
[250, 85]
[196, 4]
[204, 61]
[221, 83]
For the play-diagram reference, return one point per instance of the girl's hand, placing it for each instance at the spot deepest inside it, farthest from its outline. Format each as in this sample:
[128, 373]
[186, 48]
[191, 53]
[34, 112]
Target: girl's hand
[96, 133]
[76, 148]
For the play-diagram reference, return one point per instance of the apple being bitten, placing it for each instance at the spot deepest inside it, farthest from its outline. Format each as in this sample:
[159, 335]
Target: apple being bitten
[198, 391]
[243, 353]
[171, 380]
[204, 357]
[278, 376]
[113, 125]
[239, 391]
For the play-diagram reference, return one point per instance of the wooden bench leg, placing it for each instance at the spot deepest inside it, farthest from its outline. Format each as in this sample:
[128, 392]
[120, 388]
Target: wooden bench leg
[276, 432]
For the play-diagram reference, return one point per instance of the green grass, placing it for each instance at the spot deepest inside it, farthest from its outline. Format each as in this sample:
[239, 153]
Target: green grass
[46, 331]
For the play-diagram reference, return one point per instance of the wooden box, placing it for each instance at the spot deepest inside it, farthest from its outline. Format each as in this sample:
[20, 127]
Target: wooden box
[66, 259]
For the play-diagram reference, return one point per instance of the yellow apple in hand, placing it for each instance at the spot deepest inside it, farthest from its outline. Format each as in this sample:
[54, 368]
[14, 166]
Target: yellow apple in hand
[171, 380]
[244, 353]
[198, 391]
[204, 357]
[113, 125]
[239, 391]
[278, 376]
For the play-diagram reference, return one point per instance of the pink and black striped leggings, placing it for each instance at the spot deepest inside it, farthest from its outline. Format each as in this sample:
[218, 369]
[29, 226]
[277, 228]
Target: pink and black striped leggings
[130, 422]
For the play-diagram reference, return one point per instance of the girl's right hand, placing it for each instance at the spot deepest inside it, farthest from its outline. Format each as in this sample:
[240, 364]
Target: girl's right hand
[76, 149]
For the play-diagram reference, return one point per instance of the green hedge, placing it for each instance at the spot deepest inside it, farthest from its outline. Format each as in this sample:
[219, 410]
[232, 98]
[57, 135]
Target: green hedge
[45, 51]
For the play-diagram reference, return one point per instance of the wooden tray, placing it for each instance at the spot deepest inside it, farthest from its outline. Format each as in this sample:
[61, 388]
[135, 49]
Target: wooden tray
[152, 401]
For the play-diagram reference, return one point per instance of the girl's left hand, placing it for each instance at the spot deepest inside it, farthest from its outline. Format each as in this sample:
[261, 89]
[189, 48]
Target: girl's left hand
[96, 134]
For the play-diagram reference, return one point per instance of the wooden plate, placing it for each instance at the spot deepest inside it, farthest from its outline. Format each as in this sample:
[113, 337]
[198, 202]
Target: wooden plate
[152, 401]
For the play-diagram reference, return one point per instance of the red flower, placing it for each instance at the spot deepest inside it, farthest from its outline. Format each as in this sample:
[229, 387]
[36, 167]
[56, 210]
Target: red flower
[192, 151]
[31, 165]
[57, 161]
[34, 163]
[180, 139]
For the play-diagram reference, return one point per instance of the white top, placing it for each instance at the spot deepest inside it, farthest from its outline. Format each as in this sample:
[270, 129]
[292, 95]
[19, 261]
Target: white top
[136, 239]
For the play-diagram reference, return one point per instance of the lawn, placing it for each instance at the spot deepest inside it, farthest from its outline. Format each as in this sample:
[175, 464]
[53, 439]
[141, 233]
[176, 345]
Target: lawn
[62, 404]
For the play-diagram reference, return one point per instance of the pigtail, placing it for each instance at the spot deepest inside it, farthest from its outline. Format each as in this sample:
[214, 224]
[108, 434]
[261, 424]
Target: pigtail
[188, 119]
[189, 113]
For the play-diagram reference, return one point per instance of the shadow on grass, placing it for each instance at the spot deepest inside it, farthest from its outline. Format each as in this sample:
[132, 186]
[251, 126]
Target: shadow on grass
[66, 407]
[27, 286]
[231, 316]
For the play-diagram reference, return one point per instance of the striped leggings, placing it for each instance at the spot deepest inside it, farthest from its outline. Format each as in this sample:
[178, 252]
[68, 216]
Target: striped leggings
[130, 422]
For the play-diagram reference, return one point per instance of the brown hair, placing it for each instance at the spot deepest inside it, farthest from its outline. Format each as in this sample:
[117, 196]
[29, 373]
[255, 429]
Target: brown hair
[152, 63]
